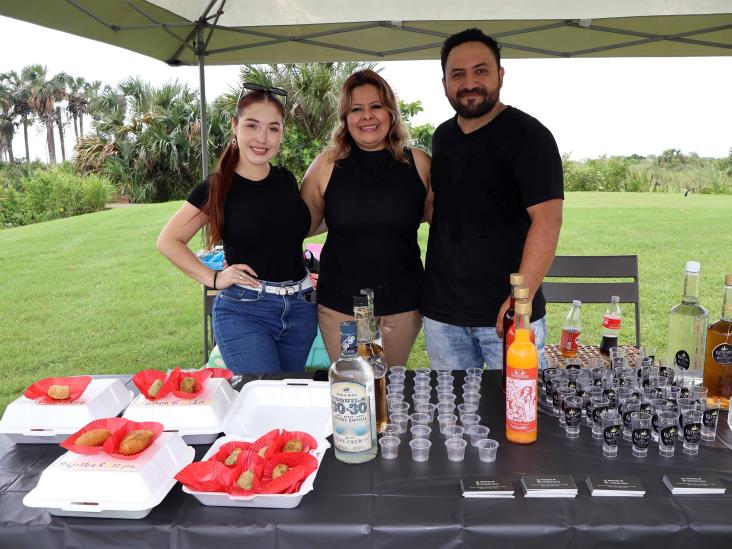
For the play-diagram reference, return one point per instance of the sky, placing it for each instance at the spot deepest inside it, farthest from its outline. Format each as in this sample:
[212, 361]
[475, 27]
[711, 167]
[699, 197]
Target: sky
[594, 107]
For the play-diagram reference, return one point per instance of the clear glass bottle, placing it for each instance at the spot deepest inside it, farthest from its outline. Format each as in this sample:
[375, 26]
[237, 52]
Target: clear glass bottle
[687, 329]
[611, 321]
[718, 356]
[352, 402]
[374, 354]
[571, 331]
[375, 330]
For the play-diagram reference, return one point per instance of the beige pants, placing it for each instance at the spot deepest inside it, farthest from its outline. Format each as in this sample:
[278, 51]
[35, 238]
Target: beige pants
[398, 333]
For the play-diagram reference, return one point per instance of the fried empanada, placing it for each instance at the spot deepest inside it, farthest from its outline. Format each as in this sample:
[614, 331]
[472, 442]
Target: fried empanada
[95, 437]
[279, 470]
[135, 442]
[292, 445]
[231, 460]
[155, 388]
[245, 480]
[59, 392]
[188, 385]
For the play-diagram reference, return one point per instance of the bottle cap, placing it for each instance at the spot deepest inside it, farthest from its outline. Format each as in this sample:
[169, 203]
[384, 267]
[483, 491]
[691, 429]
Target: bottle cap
[521, 292]
[693, 267]
[523, 307]
[728, 279]
[517, 279]
[615, 299]
[576, 303]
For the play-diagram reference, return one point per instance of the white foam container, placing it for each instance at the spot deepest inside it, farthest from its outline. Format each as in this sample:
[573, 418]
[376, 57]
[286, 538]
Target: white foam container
[99, 486]
[26, 421]
[291, 404]
[198, 420]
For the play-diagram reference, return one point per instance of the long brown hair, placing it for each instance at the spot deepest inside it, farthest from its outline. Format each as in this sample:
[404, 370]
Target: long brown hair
[219, 183]
[342, 142]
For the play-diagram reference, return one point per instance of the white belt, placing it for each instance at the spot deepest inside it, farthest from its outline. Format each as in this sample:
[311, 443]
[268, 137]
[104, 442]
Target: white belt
[280, 289]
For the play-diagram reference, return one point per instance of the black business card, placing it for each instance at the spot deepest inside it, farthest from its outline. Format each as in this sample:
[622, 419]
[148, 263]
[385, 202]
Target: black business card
[486, 486]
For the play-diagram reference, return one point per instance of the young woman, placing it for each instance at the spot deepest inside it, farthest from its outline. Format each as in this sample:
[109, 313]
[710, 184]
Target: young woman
[263, 317]
[371, 190]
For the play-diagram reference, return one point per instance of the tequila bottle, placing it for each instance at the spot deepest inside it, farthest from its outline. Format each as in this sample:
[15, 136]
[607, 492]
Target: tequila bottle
[374, 354]
[687, 329]
[352, 402]
[718, 358]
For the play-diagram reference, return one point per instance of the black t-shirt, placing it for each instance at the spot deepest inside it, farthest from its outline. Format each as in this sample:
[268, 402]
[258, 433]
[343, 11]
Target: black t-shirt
[483, 183]
[373, 208]
[265, 223]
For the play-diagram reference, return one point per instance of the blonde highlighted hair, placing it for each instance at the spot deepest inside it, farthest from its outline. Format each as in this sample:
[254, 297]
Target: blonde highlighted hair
[397, 139]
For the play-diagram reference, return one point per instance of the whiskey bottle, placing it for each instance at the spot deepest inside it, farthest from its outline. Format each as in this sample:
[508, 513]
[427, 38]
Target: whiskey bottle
[718, 356]
[352, 402]
[687, 331]
[374, 354]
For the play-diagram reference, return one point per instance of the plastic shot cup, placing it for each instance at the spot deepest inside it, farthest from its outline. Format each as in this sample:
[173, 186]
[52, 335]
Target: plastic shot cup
[446, 397]
[572, 415]
[612, 432]
[453, 431]
[399, 407]
[423, 371]
[445, 379]
[396, 378]
[692, 431]
[710, 416]
[471, 398]
[474, 371]
[561, 394]
[472, 379]
[626, 410]
[392, 400]
[699, 394]
[391, 429]
[443, 371]
[397, 370]
[592, 391]
[657, 405]
[598, 405]
[397, 388]
[420, 418]
[420, 449]
[389, 447]
[401, 419]
[427, 408]
[446, 420]
[668, 429]
[420, 431]
[684, 405]
[467, 408]
[420, 398]
[487, 450]
[471, 388]
[555, 397]
[445, 408]
[641, 435]
[477, 433]
[422, 384]
[455, 449]
[468, 420]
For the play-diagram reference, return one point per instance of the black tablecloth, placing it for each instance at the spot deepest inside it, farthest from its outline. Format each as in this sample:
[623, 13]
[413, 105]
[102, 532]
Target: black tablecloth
[400, 503]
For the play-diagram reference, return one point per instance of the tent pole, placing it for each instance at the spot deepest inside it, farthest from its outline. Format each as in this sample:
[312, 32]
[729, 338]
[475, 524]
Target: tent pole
[202, 87]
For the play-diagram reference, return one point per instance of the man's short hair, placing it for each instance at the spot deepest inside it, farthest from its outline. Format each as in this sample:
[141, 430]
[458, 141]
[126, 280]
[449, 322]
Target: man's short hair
[469, 35]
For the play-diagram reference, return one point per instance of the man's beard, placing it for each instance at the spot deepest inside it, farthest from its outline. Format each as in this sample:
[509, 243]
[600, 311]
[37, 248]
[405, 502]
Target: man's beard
[477, 108]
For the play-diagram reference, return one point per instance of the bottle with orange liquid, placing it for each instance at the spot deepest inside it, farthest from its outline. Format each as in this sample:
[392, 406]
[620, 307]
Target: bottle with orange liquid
[522, 370]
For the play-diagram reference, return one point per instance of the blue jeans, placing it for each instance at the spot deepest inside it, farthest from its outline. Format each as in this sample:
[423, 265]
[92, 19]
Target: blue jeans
[460, 348]
[259, 332]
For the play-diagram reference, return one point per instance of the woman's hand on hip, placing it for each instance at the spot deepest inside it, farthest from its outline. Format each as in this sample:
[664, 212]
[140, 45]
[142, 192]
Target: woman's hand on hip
[238, 273]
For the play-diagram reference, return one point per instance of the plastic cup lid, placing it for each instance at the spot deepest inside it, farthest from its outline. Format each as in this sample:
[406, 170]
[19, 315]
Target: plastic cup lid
[693, 267]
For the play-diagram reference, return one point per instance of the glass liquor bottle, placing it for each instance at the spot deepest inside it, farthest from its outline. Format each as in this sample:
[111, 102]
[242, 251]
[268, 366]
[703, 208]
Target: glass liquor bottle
[352, 402]
[374, 354]
[516, 279]
[522, 363]
[375, 330]
[718, 357]
[571, 330]
[687, 329]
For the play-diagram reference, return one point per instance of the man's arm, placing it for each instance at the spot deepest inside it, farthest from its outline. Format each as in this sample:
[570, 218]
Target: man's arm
[539, 249]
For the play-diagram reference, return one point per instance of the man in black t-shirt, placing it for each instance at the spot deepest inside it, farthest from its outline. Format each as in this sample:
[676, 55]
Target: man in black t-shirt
[498, 195]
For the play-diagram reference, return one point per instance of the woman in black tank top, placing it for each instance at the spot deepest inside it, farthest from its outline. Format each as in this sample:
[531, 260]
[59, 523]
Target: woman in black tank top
[370, 191]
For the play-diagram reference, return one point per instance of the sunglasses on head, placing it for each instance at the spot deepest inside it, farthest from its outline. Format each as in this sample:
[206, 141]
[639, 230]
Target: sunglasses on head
[247, 87]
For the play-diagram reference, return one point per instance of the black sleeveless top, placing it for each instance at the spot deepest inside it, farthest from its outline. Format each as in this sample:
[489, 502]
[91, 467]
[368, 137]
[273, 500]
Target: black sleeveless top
[373, 208]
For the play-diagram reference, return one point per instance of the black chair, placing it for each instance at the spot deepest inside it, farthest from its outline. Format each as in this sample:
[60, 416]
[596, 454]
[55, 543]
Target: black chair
[595, 266]
[209, 294]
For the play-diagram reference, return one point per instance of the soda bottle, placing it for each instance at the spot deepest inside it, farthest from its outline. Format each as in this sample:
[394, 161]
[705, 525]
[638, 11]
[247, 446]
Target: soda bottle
[516, 279]
[571, 331]
[611, 326]
[522, 363]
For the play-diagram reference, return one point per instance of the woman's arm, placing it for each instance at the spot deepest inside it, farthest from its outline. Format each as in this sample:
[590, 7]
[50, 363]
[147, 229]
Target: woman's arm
[423, 163]
[314, 183]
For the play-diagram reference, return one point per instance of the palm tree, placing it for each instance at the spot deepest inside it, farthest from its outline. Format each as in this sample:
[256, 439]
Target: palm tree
[44, 92]
[17, 90]
[7, 122]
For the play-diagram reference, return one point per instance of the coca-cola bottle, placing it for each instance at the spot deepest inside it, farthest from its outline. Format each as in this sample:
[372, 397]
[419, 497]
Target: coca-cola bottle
[611, 326]
[571, 331]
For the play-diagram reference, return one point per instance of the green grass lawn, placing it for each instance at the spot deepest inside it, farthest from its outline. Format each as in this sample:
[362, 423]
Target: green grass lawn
[91, 294]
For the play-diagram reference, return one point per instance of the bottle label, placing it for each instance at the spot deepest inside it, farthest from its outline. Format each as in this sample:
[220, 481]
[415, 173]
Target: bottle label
[669, 434]
[570, 340]
[682, 360]
[722, 354]
[692, 433]
[521, 388]
[611, 434]
[611, 323]
[351, 417]
[641, 437]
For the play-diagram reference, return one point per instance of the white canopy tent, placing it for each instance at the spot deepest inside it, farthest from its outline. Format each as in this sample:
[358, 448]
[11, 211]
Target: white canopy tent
[228, 32]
